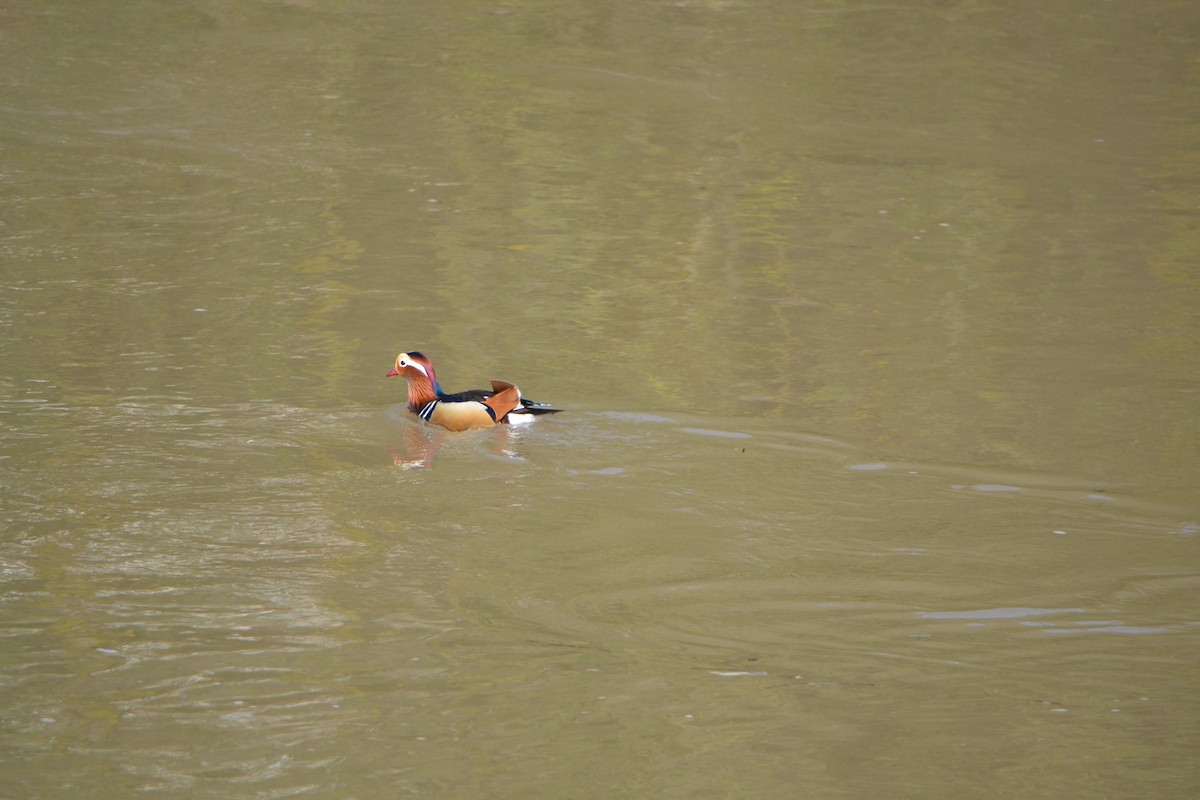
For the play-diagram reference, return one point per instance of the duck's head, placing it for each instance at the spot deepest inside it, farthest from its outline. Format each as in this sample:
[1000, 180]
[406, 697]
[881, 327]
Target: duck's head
[411, 365]
[423, 385]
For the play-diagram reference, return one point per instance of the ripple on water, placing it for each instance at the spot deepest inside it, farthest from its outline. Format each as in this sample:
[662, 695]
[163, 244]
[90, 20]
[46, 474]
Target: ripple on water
[998, 613]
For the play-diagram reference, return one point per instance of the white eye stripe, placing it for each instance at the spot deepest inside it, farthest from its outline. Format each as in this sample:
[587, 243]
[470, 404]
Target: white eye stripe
[402, 362]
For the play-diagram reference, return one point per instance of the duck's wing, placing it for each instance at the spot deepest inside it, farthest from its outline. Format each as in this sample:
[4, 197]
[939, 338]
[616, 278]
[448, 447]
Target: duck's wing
[476, 395]
[504, 398]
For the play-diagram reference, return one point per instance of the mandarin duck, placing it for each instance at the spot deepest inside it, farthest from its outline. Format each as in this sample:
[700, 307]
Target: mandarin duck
[474, 408]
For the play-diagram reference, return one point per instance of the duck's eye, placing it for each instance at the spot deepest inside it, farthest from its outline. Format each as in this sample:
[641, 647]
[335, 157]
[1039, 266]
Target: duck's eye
[403, 363]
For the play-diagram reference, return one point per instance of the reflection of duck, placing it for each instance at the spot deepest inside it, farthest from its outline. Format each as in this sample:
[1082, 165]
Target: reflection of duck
[475, 408]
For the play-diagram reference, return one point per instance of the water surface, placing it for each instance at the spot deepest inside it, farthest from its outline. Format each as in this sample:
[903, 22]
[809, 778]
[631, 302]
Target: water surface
[876, 330]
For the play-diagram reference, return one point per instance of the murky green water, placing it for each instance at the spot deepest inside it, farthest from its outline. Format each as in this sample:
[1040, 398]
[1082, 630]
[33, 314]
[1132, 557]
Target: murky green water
[877, 331]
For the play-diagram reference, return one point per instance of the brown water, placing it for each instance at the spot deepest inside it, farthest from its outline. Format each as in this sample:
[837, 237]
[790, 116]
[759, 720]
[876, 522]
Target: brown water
[877, 331]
